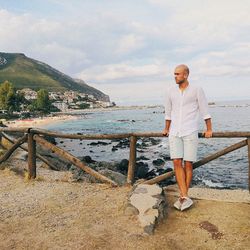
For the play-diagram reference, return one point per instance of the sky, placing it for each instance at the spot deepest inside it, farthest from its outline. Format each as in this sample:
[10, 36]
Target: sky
[129, 49]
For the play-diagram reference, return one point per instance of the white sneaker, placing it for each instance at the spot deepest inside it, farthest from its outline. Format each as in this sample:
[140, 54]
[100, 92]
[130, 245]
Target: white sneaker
[177, 204]
[187, 203]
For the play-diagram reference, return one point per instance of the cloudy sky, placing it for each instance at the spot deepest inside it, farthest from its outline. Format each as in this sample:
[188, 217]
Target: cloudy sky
[128, 49]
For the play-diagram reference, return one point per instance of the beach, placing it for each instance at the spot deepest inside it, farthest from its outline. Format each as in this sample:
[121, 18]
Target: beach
[39, 122]
[71, 115]
[53, 213]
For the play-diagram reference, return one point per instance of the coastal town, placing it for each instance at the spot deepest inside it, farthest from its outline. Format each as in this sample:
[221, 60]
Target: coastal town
[68, 100]
[26, 102]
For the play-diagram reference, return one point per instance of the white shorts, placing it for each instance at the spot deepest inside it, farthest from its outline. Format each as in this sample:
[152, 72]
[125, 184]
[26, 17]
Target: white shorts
[184, 147]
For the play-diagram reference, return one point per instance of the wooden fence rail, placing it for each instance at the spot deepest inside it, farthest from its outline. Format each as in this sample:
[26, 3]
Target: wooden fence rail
[33, 136]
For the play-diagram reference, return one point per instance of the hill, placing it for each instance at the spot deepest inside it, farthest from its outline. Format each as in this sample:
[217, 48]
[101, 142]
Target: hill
[25, 72]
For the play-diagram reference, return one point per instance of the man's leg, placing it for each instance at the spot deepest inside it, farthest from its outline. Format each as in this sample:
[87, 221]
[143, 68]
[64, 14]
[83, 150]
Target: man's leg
[190, 153]
[188, 168]
[180, 176]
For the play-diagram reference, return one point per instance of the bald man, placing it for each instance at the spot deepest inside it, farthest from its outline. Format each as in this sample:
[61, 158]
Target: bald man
[184, 104]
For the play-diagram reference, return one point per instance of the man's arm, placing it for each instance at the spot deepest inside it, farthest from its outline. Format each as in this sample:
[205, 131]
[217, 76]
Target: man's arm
[208, 133]
[168, 108]
[167, 126]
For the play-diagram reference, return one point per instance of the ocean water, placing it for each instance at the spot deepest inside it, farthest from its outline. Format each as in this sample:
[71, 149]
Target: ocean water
[229, 171]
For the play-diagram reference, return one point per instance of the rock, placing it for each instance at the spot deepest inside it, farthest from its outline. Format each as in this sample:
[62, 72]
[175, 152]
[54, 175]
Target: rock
[158, 162]
[50, 139]
[122, 166]
[131, 210]
[151, 204]
[87, 159]
[99, 165]
[98, 143]
[141, 170]
[124, 143]
[114, 148]
[59, 163]
[154, 141]
[165, 157]
[142, 158]
[119, 178]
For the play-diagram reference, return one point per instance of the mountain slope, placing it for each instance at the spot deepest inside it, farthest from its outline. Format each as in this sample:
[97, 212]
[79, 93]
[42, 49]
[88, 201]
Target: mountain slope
[25, 72]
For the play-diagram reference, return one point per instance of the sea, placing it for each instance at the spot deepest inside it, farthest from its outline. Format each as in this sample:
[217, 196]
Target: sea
[227, 172]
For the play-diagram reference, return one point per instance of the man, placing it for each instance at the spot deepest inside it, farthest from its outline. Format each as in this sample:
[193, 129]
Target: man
[184, 104]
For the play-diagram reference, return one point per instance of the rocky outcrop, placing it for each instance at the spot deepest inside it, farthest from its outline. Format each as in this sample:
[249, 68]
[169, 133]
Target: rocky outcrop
[149, 204]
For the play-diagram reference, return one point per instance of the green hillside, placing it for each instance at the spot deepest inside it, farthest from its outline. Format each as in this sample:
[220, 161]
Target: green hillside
[25, 72]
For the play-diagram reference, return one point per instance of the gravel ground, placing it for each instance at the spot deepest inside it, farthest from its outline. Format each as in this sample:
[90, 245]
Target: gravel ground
[52, 213]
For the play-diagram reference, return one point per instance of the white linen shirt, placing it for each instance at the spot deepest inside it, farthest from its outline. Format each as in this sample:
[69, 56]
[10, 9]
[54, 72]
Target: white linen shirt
[184, 109]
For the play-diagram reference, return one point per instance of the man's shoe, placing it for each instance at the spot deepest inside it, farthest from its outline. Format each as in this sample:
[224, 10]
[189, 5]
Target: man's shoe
[177, 204]
[187, 203]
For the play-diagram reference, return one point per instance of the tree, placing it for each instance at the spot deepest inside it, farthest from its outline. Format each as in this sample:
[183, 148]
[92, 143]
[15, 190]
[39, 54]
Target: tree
[42, 102]
[8, 97]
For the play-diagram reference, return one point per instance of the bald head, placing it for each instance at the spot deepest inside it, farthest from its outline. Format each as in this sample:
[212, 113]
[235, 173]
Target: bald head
[181, 74]
[184, 68]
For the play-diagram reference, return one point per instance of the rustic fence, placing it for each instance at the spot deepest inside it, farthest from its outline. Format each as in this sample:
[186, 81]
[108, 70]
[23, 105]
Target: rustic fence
[33, 136]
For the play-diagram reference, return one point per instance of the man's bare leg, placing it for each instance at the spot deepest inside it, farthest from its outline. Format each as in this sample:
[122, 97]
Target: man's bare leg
[180, 177]
[188, 168]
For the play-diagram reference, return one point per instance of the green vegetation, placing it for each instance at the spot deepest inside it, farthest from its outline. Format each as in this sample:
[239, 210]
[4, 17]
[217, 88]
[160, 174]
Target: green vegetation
[10, 100]
[84, 106]
[42, 103]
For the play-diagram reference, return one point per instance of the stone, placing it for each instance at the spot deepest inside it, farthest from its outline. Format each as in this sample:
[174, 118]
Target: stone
[122, 166]
[99, 143]
[131, 210]
[142, 158]
[119, 178]
[158, 162]
[151, 204]
[87, 159]
[141, 170]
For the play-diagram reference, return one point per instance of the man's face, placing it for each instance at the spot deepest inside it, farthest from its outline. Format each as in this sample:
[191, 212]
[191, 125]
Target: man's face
[180, 75]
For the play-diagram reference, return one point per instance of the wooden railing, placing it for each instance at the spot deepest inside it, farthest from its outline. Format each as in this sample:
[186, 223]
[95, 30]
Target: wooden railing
[33, 136]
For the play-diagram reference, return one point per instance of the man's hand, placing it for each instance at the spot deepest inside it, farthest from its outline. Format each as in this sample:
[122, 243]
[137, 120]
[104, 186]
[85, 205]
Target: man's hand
[208, 134]
[165, 132]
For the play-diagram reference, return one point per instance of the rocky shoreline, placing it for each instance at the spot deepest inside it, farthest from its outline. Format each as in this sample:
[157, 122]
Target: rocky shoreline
[116, 170]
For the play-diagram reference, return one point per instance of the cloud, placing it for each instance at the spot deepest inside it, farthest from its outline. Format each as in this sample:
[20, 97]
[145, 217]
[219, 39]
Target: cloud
[231, 62]
[135, 93]
[123, 71]
[129, 43]
[117, 44]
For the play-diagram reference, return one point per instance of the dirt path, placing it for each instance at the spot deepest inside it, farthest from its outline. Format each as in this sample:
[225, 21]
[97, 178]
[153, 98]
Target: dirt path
[49, 214]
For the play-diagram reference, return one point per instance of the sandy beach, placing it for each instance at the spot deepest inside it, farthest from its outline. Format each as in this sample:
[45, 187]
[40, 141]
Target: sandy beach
[53, 213]
[39, 122]
[64, 116]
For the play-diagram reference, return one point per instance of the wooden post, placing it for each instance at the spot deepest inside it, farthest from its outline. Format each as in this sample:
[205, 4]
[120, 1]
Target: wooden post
[31, 156]
[248, 143]
[25, 148]
[132, 160]
[17, 144]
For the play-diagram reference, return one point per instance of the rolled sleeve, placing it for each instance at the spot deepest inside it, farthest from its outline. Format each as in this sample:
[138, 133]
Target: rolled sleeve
[203, 104]
[168, 106]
